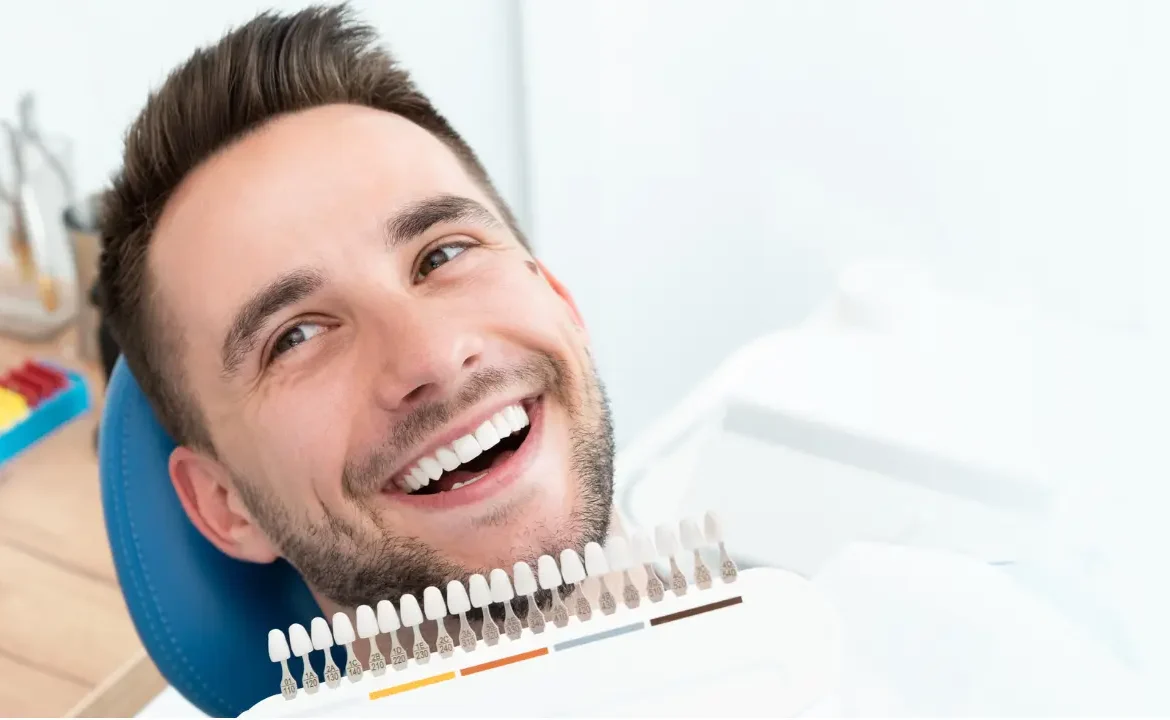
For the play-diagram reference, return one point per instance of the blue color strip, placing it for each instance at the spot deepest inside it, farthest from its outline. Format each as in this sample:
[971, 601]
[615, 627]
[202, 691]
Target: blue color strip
[623, 630]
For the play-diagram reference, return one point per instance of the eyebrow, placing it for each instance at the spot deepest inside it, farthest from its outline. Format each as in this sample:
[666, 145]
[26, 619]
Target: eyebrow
[250, 319]
[421, 216]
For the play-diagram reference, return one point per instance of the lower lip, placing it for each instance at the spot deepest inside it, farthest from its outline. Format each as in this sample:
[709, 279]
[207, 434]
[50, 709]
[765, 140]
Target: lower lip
[497, 479]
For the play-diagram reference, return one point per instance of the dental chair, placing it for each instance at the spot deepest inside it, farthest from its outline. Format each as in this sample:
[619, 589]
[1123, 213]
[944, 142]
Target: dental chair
[203, 617]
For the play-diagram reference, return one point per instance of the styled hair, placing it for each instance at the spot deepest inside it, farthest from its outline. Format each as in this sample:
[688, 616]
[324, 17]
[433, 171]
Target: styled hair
[272, 66]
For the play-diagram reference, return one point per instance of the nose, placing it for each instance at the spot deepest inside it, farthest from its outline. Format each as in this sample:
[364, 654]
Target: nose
[423, 357]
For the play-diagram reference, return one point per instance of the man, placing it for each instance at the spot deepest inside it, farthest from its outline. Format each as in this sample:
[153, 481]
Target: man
[337, 318]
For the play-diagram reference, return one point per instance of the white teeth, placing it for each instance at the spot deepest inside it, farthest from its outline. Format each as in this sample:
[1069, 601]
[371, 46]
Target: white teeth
[431, 467]
[467, 482]
[486, 435]
[512, 415]
[466, 448]
[447, 458]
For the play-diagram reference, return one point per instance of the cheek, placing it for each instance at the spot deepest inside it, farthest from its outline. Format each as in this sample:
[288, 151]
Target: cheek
[299, 441]
[511, 297]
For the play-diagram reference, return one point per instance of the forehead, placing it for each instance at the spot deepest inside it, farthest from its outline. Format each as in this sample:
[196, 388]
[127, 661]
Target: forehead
[306, 188]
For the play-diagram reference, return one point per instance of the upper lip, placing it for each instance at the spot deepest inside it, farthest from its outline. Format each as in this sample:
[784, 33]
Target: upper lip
[454, 430]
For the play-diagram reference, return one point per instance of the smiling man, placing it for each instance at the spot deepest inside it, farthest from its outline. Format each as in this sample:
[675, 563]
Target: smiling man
[336, 317]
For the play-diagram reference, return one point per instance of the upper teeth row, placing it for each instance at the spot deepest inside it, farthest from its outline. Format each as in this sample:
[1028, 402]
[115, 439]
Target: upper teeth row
[431, 467]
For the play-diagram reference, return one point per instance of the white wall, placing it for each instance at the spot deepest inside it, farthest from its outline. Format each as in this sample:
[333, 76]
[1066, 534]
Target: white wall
[700, 170]
[93, 63]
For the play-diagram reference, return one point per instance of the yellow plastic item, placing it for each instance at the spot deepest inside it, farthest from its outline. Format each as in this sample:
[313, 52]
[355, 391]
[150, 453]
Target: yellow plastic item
[13, 408]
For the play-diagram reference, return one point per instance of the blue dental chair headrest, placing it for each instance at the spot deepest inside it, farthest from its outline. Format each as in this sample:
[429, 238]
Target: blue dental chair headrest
[202, 616]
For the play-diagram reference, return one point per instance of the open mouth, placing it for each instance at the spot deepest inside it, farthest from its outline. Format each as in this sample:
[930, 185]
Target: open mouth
[470, 458]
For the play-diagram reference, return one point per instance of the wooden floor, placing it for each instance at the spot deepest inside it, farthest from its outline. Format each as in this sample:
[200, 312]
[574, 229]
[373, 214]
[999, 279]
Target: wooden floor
[64, 628]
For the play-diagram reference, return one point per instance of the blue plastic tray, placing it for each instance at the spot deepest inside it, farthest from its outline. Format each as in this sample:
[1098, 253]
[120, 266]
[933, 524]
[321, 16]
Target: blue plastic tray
[66, 405]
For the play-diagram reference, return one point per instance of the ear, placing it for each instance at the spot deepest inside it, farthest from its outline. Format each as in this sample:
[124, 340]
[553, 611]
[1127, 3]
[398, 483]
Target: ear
[563, 292]
[211, 501]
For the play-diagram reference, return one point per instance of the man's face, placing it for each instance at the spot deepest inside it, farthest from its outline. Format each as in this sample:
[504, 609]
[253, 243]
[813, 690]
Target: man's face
[396, 392]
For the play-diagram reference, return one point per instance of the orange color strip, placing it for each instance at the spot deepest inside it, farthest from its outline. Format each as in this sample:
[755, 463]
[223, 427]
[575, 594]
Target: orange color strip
[395, 689]
[504, 661]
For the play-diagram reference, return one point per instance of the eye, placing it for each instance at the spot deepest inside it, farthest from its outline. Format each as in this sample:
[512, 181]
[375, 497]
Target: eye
[437, 257]
[300, 333]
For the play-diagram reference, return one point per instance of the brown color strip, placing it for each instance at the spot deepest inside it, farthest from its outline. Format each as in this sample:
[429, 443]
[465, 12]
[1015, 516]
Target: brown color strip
[696, 611]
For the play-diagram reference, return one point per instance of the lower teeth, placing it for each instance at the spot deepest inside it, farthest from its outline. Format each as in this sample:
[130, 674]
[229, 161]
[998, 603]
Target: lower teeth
[456, 486]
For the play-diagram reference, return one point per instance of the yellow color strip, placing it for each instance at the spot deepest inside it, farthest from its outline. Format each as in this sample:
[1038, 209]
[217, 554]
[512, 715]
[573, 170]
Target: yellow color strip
[395, 689]
[13, 408]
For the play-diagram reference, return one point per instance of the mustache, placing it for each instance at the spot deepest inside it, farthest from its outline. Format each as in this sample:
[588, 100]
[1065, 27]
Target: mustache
[543, 373]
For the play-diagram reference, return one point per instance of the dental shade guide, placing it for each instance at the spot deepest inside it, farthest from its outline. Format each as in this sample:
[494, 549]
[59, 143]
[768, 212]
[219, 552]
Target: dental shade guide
[646, 554]
[611, 566]
[573, 572]
[667, 543]
[525, 583]
[481, 597]
[460, 604]
[597, 566]
[412, 617]
[550, 579]
[323, 640]
[389, 624]
[617, 551]
[343, 634]
[367, 629]
[436, 610]
[278, 651]
[693, 540]
[302, 647]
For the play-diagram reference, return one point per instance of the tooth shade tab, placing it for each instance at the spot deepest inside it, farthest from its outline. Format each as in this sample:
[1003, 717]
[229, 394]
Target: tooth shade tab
[666, 540]
[595, 562]
[617, 551]
[692, 537]
[433, 604]
[571, 568]
[644, 548]
[523, 579]
[387, 617]
[457, 600]
[481, 594]
[343, 632]
[278, 649]
[713, 527]
[322, 638]
[409, 611]
[501, 586]
[548, 572]
[298, 638]
[367, 622]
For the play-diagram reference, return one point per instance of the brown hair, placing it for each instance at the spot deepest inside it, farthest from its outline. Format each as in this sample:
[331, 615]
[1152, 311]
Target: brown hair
[272, 66]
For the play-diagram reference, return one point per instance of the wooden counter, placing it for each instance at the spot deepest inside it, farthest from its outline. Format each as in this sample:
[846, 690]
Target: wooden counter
[65, 634]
